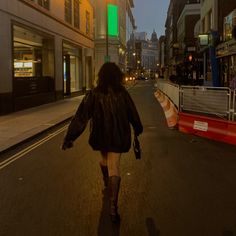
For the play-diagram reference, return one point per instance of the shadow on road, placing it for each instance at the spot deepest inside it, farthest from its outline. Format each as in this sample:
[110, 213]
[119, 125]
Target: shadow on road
[106, 227]
[151, 227]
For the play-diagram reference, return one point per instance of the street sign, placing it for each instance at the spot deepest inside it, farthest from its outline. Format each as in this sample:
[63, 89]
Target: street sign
[199, 125]
[203, 39]
[112, 19]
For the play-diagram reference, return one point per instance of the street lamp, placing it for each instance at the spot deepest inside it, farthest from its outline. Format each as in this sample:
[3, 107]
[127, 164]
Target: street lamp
[134, 62]
[107, 40]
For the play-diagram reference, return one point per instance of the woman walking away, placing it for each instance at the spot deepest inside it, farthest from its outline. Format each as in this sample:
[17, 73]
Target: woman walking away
[110, 110]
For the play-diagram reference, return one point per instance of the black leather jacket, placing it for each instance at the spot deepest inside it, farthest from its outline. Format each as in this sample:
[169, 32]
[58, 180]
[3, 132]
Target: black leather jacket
[110, 117]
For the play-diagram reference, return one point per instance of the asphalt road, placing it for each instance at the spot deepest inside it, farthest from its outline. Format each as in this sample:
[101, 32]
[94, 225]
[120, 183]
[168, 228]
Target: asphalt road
[183, 186]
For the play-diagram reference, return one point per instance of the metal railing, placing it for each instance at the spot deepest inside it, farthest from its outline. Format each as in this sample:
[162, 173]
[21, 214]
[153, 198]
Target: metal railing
[170, 89]
[206, 100]
[234, 106]
[217, 102]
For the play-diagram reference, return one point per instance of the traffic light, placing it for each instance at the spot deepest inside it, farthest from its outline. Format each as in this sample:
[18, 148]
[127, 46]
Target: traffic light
[190, 57]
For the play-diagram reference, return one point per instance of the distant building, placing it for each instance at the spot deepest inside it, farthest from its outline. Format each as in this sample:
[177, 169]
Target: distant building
[146, 53]
[150, 53]
[140, 36]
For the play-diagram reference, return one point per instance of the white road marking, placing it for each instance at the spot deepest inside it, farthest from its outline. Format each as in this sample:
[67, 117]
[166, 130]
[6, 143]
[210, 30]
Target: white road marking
[30, 148]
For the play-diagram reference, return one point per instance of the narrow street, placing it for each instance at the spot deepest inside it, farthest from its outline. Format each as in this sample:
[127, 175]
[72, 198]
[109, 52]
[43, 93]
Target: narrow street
[183, 186]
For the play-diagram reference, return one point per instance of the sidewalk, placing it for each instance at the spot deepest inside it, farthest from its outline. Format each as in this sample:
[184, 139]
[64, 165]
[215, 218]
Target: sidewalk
[19, 126]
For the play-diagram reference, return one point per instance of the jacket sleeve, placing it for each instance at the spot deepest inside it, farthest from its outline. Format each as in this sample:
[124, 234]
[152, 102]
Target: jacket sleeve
[80, 119]
[133, 115]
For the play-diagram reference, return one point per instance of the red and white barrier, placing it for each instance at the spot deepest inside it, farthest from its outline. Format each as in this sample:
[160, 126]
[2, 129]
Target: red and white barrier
[212, 128]
[169, 109]
[208, 127]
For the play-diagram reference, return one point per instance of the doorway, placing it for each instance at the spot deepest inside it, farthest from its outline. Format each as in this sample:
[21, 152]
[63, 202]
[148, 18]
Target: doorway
[72, 69]
[67, 77]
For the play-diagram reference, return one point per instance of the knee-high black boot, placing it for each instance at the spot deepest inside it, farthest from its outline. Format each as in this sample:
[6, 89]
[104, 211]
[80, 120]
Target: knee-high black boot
[114, 187]
[104, 170]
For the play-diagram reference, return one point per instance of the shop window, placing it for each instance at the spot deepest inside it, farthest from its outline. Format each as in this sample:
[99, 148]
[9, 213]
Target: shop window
[33, 62]
[27, 60]
[33, 54]
[230, 26]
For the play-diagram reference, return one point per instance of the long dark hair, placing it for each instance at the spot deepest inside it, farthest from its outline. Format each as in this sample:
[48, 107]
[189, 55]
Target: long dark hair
[110, 76]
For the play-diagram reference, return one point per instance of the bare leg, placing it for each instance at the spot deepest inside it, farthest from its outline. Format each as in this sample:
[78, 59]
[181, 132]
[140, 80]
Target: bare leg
[104, 169]
[103, 161]
[113, 163]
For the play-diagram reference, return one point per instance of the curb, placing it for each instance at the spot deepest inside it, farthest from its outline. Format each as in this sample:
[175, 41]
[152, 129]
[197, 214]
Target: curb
[45, 129]
[33, 136]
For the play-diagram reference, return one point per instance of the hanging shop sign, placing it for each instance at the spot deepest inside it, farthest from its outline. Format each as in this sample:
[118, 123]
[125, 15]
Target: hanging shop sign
[203, 39]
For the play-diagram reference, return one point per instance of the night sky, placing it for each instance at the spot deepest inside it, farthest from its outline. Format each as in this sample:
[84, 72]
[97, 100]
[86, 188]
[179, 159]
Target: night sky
[150, 14]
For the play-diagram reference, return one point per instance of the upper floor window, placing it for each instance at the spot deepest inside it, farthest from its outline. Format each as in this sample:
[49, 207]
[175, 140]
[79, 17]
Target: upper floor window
[68, 11]
[44, 3]
[87, 22]
[193, 1]
[76, 13]
[72, 12]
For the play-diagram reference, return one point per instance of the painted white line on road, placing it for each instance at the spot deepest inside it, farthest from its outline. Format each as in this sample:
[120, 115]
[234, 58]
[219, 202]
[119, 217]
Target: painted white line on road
[30, 148]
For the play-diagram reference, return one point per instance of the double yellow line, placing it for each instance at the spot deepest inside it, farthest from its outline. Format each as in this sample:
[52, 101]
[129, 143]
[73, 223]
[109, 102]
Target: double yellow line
[23, 152]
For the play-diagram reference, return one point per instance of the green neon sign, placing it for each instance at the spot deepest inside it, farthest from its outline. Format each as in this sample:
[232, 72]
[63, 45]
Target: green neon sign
[112, 18]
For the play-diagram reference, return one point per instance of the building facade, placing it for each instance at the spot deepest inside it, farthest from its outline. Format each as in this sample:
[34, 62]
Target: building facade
[226, 50]
[174, 10]
[188, 61]
[47, 51]
[211, 55]
[112, 46]
[150, 57]
[213, 13]
[146, 54]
